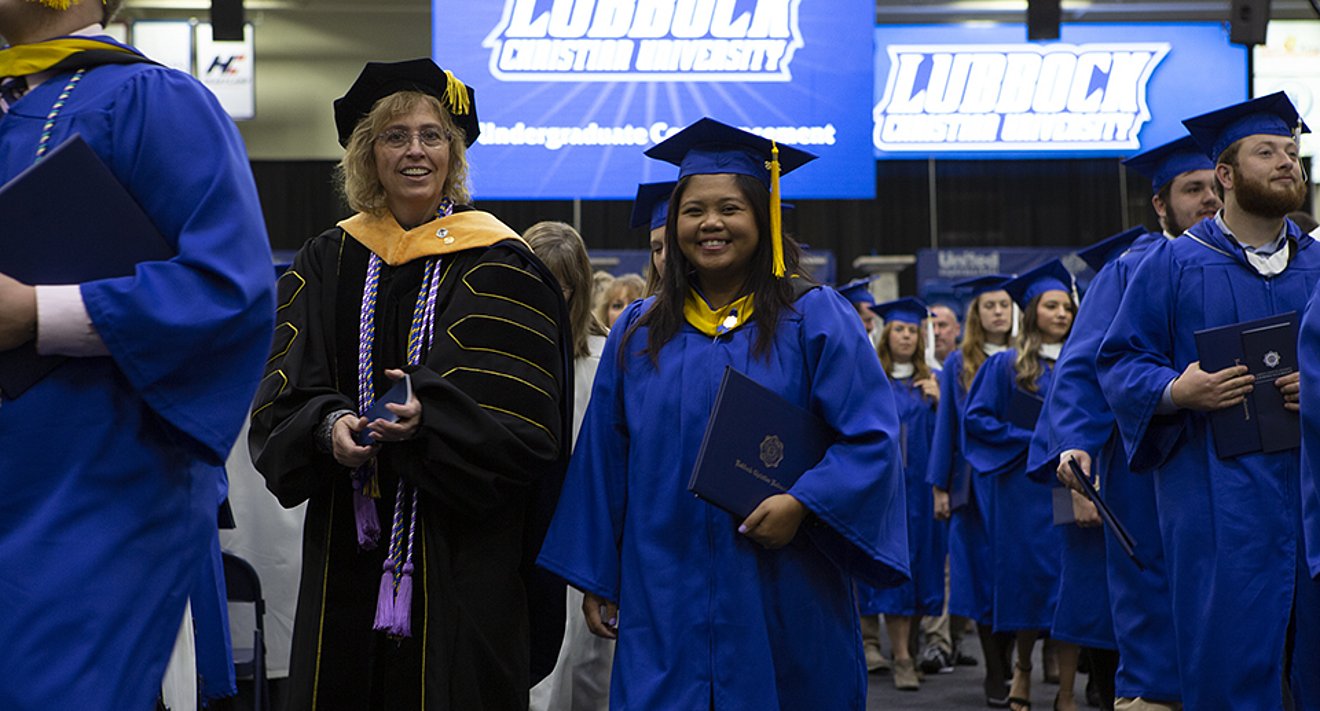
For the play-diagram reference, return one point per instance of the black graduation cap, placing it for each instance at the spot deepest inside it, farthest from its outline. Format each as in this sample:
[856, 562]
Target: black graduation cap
[1272, 115]
[380, 79]
[1107, 249]
[651, 206]
[1164, 163]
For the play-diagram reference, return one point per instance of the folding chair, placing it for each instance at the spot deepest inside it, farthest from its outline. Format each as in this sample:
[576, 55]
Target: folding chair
[243, 585]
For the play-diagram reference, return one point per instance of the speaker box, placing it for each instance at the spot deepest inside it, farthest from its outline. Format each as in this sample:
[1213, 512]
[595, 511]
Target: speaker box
[1043, 17]
[226, 20]
[1247, 20]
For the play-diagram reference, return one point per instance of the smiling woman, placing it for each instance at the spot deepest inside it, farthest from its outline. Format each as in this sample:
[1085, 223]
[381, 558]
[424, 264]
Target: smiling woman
[416, 282]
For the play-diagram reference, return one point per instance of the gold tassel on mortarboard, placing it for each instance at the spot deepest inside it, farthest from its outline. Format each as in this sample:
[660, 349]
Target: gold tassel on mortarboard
[456, 92]
[776, 216]
[57, 4]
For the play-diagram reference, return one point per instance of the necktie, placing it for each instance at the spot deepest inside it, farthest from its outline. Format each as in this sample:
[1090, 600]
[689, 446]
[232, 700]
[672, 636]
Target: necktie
[11, 90]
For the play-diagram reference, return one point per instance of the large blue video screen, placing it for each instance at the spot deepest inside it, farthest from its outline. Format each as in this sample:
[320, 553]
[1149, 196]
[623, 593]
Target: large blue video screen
[983, 91]
[570, 92]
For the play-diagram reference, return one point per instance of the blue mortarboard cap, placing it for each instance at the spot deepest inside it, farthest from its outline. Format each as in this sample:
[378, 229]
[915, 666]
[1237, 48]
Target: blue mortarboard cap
[1164, 163]
[709, 146]
[651, 206]
[976, 286]
[858, 291]
[1050, 276]
[1102, 252]
[906, 309]
[1272, 115]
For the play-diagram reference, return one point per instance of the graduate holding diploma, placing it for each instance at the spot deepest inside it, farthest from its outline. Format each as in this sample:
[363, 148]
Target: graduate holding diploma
[113, 462]
[1230, 526]
[712, 612]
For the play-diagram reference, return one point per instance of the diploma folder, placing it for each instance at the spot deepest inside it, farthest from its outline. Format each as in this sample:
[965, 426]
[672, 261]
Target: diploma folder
[398, 394]
[68, 220]
[1107, 516]
[756, 445]
[1268, 347]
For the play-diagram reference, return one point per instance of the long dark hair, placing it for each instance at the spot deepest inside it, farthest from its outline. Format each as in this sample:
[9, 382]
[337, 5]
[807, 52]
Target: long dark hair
[772, 296]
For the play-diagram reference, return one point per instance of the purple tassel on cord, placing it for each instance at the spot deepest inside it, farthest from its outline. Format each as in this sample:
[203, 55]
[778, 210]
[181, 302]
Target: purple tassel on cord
[368, 522]
[385, 599]
[401, 621]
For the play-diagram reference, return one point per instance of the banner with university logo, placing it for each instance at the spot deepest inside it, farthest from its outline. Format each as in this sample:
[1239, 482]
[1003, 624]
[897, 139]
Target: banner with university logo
[570, 92]
[1100, 90]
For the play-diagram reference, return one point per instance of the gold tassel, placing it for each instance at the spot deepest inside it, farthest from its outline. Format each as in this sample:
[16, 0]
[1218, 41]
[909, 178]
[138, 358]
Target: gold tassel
[456, 92]
[776, 215]
[56, 4]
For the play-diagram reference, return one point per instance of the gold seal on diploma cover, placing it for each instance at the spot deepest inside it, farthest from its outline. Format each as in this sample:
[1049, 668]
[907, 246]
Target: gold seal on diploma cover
[772, 451]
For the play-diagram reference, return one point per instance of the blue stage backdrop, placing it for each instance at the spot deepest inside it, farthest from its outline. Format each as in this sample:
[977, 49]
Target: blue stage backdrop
[570, 92]
[983, 91]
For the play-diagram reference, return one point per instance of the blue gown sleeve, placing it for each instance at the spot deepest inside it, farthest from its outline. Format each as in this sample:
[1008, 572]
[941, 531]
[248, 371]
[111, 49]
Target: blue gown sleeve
[993, 445]
[582, 545]
[944, 441]
[1308, 347]
[1075, 414]
[1134, 362]
[190, 333]
[857, 489]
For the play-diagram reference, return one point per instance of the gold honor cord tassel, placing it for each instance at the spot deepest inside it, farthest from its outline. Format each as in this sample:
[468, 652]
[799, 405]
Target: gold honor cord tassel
[776, 216]
[58, 4]
[456, 91]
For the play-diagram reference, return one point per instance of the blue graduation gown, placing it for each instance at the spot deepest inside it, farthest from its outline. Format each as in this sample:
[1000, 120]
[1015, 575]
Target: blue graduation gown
[1230, 527]
[928, 539]
[970, 574]
[1308, 604]
[112, 464]
[1027, 547]
[707, 618]
[1076, 416]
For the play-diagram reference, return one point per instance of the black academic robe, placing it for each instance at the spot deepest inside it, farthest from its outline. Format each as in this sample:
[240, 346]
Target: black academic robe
[493, 423]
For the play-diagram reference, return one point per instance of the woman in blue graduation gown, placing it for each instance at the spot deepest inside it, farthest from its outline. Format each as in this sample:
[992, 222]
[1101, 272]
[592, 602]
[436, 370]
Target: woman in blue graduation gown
[998, 426]
[711, 612]
[971, 594]
[916, 394]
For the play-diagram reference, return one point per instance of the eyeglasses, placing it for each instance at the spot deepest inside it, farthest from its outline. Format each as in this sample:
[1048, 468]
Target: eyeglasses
[400, 138]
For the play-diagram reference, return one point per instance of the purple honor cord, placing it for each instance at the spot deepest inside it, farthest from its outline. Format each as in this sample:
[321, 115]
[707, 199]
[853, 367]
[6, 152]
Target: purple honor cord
[394, 601]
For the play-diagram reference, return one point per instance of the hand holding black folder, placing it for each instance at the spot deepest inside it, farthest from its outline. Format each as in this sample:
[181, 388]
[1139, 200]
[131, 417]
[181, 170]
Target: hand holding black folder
[1107, 515]
[68, 220]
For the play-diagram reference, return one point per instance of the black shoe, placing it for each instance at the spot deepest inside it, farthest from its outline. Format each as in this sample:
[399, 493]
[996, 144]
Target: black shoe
[963, 659]
[935, 661]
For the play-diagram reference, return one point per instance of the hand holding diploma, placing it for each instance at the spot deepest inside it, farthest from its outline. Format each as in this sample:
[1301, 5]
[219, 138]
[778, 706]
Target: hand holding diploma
[1198, 390]
[18, 313]
[602, 615]
[775, 521]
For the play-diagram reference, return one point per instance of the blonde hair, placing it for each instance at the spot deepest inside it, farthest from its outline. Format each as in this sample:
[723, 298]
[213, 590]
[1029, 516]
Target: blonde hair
[630, 286]
[358, 179]
[1028, 365]
[920, 370]
[560, 247]
[973, 345]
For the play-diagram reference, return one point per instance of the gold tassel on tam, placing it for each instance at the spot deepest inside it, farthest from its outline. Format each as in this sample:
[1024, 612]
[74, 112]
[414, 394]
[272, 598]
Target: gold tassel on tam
[776, 213]
[57, 4]
[456, 92]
